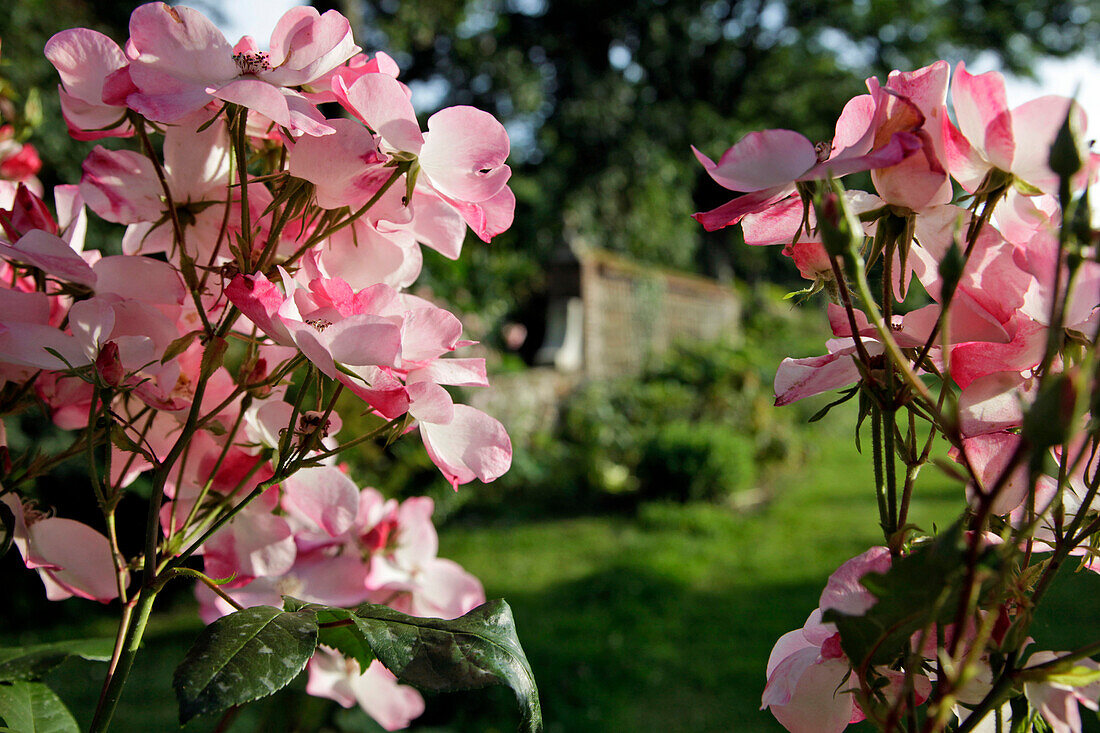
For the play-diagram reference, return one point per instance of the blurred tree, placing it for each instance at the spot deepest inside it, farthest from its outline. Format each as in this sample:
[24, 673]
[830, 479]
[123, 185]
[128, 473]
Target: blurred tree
[603, 99]
[25, 26]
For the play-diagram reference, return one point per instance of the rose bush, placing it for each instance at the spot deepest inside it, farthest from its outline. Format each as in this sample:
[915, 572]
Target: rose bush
[266, 260]
[930, 633]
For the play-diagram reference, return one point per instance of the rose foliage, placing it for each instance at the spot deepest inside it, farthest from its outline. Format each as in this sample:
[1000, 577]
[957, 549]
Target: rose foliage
[964, 305]
[263, 281]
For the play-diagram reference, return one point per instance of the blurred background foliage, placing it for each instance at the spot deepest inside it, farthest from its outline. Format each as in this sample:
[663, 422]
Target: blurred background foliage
[646, 596]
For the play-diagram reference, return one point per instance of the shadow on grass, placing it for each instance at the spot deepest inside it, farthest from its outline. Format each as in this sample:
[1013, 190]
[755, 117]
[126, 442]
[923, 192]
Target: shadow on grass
[622, 648]
[625, 649]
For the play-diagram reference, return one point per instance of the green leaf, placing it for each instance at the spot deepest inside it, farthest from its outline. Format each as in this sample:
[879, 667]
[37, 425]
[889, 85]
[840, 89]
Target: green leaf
[348, 640]
[472, 651]
[180, 345]
[805, 292]
[242, 657]
[1078, 676]
[845, 395]
[32, 707]
[212, 356]
[126, 444]
[1049, 419]
[32, 662]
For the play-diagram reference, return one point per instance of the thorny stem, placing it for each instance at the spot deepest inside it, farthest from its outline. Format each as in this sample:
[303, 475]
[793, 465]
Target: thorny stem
[240, 149]
[202, 578]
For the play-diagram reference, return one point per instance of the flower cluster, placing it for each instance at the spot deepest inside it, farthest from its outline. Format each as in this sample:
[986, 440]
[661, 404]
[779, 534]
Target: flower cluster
[997, 360]
[262, 281]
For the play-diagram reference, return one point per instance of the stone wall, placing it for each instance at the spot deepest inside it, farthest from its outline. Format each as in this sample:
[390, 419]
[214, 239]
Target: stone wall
[632, 312]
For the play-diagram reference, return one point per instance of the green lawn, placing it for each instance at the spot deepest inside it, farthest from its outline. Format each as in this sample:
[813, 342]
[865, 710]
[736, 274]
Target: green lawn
[665, 623]
[661, 622]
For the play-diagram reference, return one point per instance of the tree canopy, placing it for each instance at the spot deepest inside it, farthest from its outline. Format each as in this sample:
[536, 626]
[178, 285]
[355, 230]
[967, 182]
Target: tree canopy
[603, 100]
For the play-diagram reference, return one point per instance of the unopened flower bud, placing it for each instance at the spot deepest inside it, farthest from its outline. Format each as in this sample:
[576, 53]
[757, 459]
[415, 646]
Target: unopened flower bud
[256, 375]
[28, 212]
[1065, 158]
[1053, 414]
[835, 224]
[108, 365]
[951, 270]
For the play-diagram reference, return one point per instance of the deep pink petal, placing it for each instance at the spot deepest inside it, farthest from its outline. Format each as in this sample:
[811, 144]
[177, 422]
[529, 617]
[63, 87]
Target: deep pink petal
[785, 646]
[486, 218]
[179, 53]
[428, 333]
[84, 59]
[394, 706]
[993, 403]
[1037, 122]
[428, 402]
[855, 128]
[362, 256]
[733, 211]
[364, 340]
[141, 278]
[917, 182]
[93, 121]
[799, 378]
[926, 87]
[459, 372]
[777, 224]
[196, 163]
[259, 300]
[273, 103]
[970, 361]
[417, 540]
[988, 456]
[51, 254]
[446, 590]
[811, 688]
[253, 545]
[900, 147]
[982, 115]
[437, 224]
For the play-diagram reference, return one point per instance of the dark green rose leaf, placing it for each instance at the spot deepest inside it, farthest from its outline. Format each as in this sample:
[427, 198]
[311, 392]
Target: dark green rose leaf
[242, 657]
[475, 650]
[32, 662]
[32, 707]
[469, 652]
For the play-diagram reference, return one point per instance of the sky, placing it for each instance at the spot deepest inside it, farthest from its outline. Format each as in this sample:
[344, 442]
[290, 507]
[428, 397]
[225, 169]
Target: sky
[254, 18]
[1079, 74]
